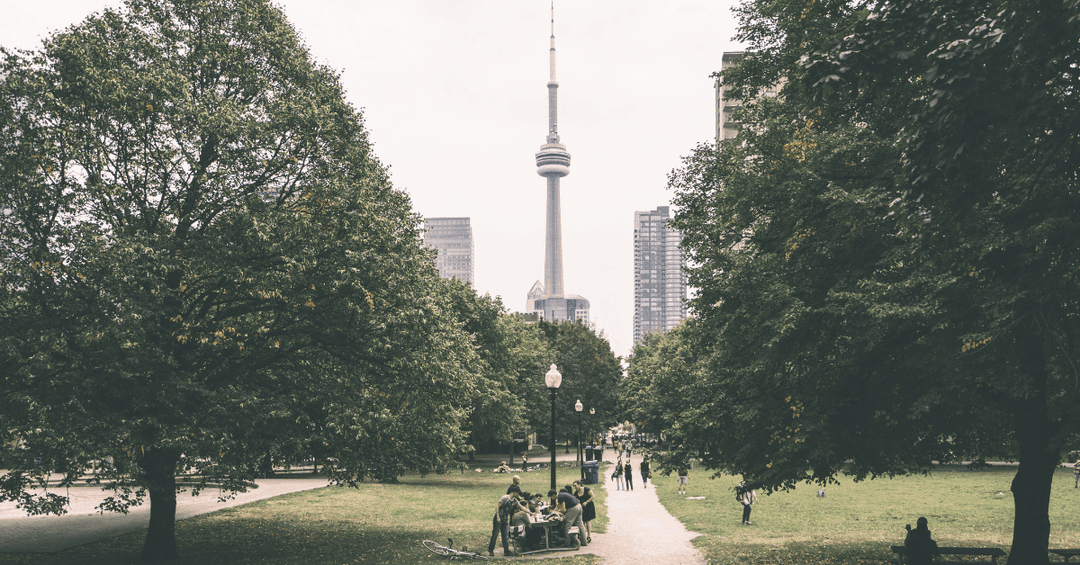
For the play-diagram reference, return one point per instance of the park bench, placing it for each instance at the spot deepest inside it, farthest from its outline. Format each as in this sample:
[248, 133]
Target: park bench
[1068, 554]
[992, 552]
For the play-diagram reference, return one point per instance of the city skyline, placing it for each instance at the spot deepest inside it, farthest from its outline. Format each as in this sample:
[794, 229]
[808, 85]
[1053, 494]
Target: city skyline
[450, 96]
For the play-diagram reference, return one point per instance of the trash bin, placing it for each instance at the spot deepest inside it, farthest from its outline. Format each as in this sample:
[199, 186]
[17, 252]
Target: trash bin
[598, 453]
[588, 453]
[592, 472]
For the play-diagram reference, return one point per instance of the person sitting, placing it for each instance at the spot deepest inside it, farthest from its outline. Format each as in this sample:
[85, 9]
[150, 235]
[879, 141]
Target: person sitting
[920, 548]
[504, 468]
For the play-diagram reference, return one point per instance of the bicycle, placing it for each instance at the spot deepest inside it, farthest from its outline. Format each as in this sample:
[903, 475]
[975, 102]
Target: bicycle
[449, 551]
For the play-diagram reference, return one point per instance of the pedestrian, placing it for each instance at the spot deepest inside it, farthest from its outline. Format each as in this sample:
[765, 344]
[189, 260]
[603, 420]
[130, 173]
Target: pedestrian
[628, 474]
[684, 478]
[504, 511]
[747, 498]
[525, 461]
[645, 473]
[588, 510]
[617, 475]
[1076, 473]
[919, 547]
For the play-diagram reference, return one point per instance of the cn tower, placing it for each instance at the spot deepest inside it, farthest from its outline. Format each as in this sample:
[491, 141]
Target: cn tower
[553, 163]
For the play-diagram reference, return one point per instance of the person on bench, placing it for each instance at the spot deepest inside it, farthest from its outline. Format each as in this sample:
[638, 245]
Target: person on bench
[919, 547]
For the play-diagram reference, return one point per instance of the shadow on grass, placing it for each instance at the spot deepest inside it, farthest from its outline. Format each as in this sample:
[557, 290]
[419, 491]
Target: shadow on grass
[807, 553]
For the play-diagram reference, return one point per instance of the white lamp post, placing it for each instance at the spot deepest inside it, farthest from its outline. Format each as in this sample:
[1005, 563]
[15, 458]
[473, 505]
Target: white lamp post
[553, 379]
[578, 407]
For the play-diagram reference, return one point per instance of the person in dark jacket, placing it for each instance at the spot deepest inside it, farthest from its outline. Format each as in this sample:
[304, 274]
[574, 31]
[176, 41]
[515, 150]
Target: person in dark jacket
[645, 472]
[920, 549]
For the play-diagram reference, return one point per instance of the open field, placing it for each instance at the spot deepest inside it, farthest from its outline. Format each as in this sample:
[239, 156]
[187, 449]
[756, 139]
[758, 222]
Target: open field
[336, 525]
[855, 523]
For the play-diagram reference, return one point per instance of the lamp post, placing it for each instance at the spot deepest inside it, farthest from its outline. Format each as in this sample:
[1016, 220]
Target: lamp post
[553, 379]
[578, 406]
[596, 452]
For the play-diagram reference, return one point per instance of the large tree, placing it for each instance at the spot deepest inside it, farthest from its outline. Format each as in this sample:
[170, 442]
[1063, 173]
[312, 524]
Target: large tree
[591, 373]
[203, 264]
[887, 252]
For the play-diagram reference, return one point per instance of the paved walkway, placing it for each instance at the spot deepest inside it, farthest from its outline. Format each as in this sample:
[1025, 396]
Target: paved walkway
[82, 524]
[640, 530]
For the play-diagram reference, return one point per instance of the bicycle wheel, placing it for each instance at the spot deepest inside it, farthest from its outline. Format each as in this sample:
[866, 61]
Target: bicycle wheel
[436, 548]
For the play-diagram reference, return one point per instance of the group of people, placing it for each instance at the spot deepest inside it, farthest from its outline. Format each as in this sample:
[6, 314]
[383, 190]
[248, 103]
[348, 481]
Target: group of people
[573, 505]
[624, 474]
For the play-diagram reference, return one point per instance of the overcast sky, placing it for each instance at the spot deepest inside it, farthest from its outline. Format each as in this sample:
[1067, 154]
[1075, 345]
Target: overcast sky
[454, 95]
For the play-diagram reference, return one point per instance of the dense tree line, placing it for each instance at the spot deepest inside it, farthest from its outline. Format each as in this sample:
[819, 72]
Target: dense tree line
[205, 270]
[886, 254]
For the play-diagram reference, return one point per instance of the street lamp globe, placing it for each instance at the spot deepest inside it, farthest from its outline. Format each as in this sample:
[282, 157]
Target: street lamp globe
[578, 406]
[553, 378]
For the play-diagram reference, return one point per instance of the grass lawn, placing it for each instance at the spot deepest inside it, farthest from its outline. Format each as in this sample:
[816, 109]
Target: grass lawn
[855, 523]
[337, 525]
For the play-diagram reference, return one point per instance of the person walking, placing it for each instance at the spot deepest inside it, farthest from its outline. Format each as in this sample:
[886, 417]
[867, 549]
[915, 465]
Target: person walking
[919, 547]
[747, 498]
[645, 473]
[628, 474]
[618, 475]
[684, 478]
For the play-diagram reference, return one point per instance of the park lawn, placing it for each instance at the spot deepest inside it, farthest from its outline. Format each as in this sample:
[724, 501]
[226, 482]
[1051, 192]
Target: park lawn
[375, 523]
[855, 523]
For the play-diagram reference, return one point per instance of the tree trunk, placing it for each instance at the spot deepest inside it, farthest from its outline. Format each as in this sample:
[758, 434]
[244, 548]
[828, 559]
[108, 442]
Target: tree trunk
[160, 468]
[1039, 457]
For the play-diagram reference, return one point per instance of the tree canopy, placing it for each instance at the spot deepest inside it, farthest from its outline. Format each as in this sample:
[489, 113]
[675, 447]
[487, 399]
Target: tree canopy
[203, 263]
[886, 254]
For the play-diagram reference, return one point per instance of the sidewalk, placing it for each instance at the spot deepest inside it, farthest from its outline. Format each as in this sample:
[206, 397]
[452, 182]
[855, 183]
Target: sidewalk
[640, 530]
[20, 533]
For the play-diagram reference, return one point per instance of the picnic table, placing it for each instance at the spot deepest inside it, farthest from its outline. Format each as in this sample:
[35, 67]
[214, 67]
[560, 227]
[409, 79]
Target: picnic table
[540, 533]
[992, 552]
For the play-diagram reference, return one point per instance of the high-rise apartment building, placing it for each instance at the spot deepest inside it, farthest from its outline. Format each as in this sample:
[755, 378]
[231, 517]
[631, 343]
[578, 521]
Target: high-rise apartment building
[659, 278]
[726, 127]
[452, 237]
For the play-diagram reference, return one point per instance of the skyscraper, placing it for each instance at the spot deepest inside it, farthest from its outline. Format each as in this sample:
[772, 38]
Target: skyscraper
[726, 127]
[452, 237]
[659, 279]
[553, 163]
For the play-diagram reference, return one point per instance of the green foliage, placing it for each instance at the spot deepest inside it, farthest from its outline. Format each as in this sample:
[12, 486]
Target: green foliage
[202, 257]
[591, 373]
[886, 253]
